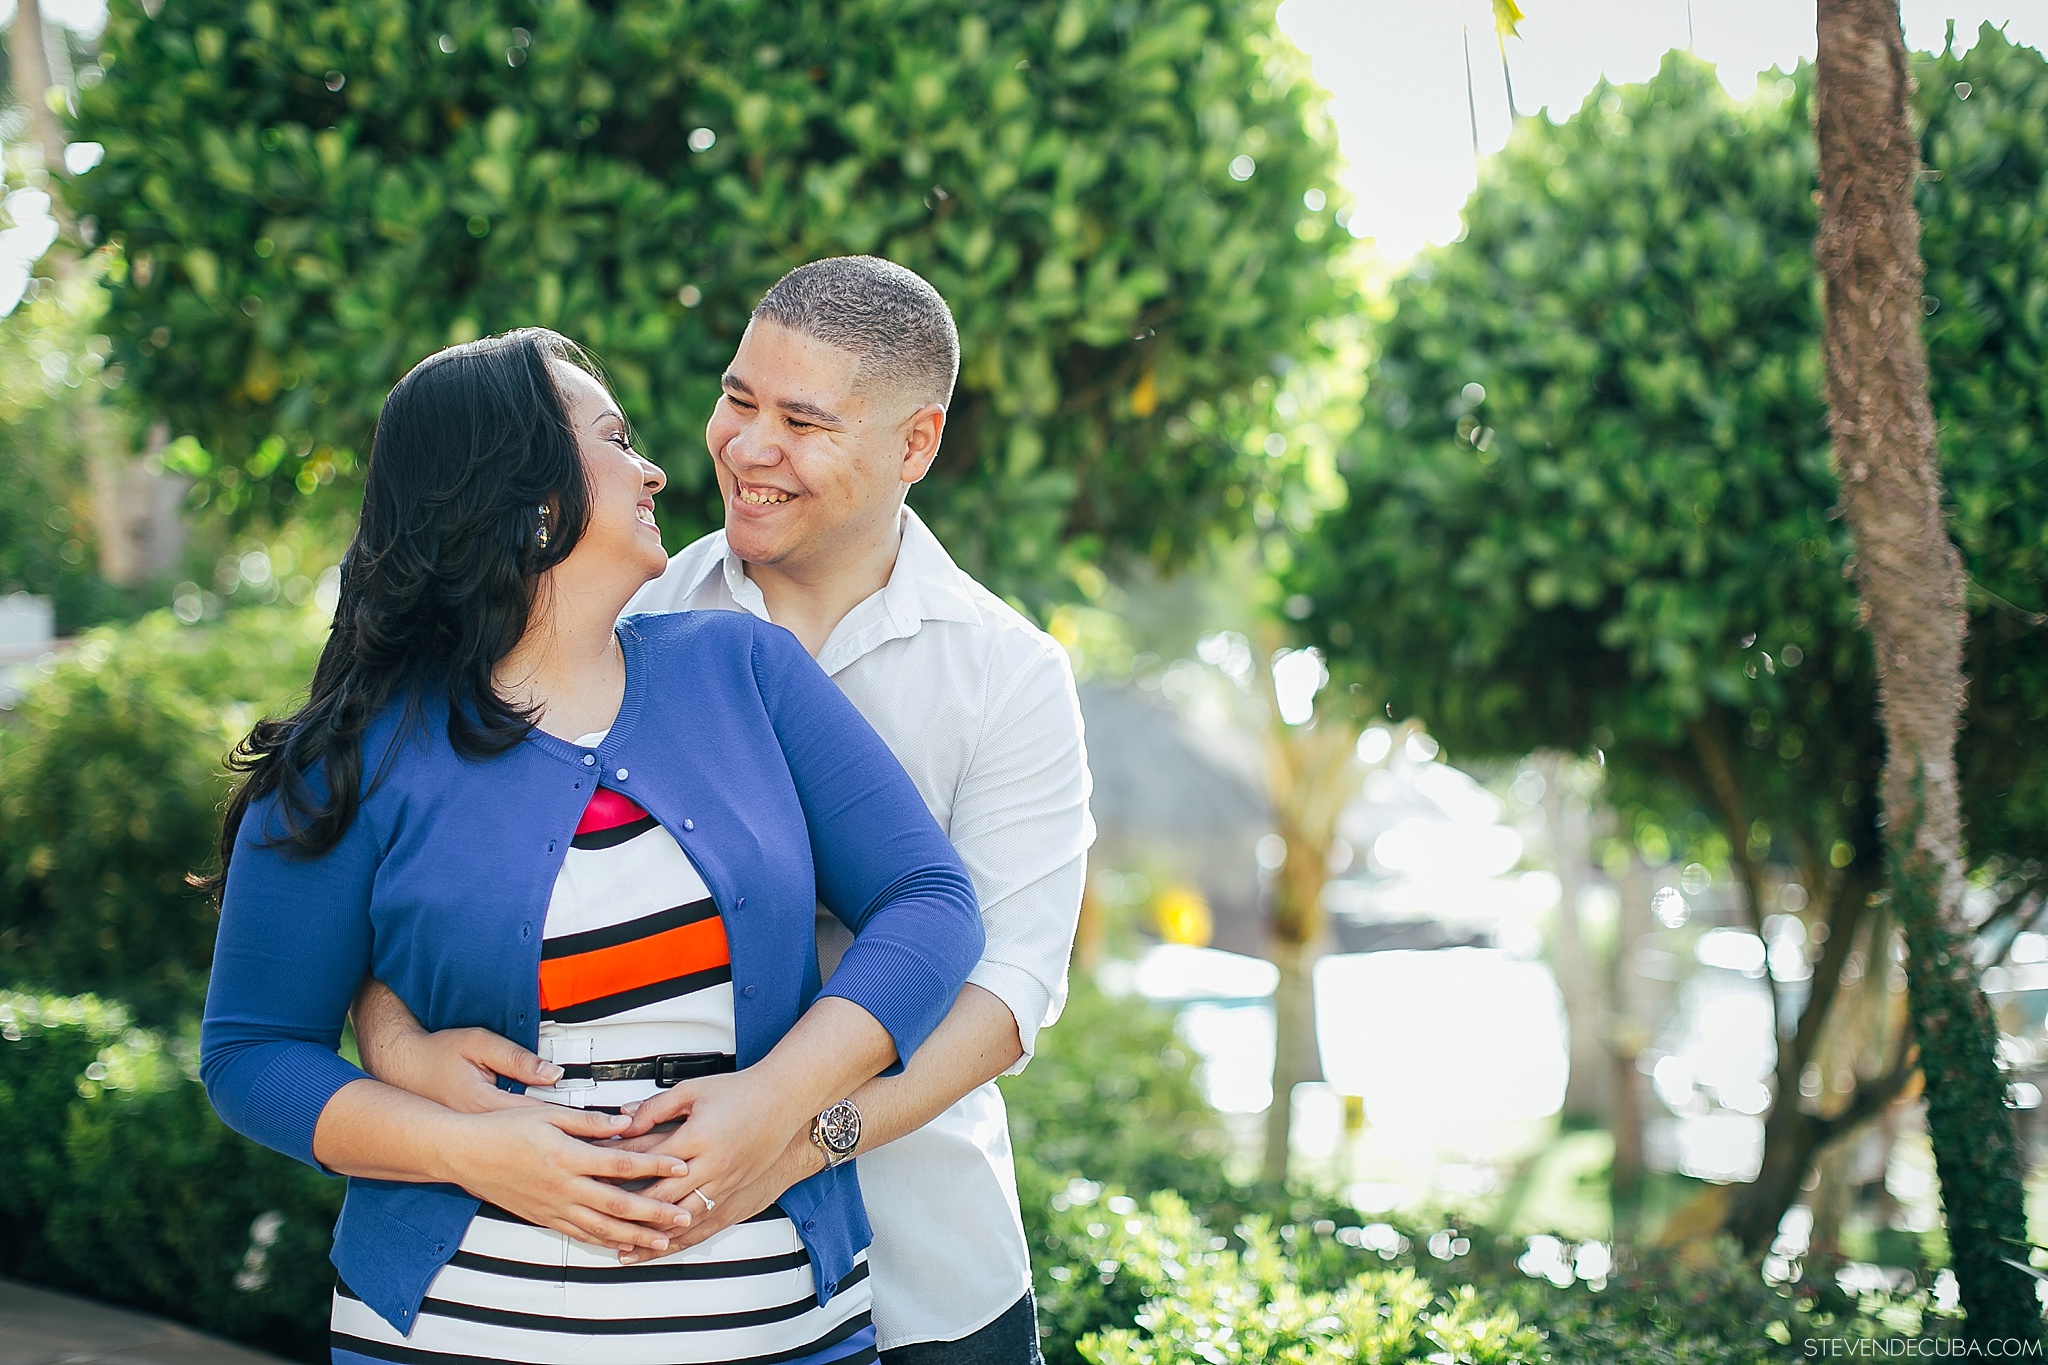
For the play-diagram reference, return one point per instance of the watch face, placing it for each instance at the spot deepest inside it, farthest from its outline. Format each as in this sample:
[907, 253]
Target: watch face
[839, 1128]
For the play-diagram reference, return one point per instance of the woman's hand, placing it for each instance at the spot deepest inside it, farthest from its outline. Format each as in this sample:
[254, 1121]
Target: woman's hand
[543, 1163]
[799, 1160]
[734, 1129]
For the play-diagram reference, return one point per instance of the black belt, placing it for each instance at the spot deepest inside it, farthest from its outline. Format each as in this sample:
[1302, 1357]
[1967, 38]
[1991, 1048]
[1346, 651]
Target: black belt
[665, 1070]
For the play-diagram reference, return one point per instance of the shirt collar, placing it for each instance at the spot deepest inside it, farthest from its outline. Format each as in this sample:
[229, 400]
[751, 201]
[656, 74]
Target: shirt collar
[925, 585]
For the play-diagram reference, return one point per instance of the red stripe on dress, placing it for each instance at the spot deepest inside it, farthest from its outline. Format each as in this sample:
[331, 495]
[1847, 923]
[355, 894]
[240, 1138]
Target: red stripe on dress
[608, 810]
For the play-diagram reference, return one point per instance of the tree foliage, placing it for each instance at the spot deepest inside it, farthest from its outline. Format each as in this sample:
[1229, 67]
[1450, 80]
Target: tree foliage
[1590, 505]
[1130, 206]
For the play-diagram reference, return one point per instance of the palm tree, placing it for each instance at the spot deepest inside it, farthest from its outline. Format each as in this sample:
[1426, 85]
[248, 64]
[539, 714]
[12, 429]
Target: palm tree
[1911, 581]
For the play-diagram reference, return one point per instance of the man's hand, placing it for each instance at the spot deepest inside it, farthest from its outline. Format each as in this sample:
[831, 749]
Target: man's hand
[735, 1129]
[799, 1161]
[456, 1068]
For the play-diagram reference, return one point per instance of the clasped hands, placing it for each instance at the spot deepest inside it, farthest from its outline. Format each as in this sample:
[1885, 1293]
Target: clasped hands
[738, 1146]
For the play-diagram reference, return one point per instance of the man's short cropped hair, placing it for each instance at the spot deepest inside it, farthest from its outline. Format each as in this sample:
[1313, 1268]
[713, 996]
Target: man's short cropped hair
[890, 317]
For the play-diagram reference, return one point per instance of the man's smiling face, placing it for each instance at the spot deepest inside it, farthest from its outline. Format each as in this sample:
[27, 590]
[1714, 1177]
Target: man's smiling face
[808, 457]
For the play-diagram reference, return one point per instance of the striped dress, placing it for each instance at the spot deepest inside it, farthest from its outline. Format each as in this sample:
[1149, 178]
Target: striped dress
[634, 964]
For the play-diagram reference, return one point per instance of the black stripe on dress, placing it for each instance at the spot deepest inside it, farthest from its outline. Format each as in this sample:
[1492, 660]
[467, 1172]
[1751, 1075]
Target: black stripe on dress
[556, 1273]
[616, 935]
[412, 1355]
[585, 1011]
[622, 1327]
[498, 1215]
[616, 835]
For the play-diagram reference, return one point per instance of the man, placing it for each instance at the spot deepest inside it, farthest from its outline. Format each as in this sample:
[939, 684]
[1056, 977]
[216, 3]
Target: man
[833, 406]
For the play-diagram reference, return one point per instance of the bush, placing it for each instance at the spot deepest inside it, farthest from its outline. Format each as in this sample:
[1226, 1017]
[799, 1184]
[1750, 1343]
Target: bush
[1204, 1301]
[110, 792]
[1124, 1282]
[126, 1187]
[1111, 1096]
[1109, 1110]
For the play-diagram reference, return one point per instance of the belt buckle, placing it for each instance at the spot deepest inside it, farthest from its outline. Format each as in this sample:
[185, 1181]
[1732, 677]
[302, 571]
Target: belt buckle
[669, 1068]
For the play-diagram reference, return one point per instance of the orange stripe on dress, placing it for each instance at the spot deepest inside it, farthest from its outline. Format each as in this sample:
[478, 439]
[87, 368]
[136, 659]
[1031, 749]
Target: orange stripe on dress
[566, 982]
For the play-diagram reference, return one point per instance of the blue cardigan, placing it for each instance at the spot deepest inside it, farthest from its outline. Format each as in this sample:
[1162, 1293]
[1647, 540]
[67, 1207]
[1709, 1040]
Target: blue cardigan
[742, 748]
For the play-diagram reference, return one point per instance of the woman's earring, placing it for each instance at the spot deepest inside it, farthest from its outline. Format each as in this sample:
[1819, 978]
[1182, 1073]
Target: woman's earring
[540, 535]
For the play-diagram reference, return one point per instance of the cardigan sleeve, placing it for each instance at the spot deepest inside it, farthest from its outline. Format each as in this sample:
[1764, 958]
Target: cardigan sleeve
[293, 945]
[884, 868]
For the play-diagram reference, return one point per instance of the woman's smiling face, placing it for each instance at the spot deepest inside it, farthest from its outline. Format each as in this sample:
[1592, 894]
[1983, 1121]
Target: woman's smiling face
[622, 484]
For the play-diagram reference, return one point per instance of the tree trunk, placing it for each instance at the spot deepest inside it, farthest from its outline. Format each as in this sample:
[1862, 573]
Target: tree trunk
[137, 505]
[1911, 582]
[1312, 772]
[1792, 1138]
[1294, 1049]
[1626, 1035]
[1567, 828]
[29, 69]
[1832, 1194]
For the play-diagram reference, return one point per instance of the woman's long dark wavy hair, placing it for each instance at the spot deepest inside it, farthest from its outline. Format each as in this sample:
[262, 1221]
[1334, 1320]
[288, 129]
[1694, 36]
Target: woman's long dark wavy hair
[438, 583]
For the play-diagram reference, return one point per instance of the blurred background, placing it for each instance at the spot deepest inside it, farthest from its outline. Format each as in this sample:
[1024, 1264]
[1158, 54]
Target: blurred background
[1409, 419]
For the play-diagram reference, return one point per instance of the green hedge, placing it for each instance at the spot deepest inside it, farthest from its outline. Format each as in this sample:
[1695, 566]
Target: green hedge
[1133, 1281]
[125, 1187]
[110, 792]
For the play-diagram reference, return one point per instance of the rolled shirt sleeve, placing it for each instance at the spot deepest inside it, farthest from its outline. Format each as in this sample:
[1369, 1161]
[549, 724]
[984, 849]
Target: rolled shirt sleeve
[1021, 824]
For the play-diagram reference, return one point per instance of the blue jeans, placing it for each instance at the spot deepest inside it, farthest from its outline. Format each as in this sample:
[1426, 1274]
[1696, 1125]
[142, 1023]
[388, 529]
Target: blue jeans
[1011, 1339]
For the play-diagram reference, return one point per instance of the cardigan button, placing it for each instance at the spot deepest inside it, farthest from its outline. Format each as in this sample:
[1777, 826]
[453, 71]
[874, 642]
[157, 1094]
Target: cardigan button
[689, 824]
[526, 931]
[748, 992]
[622, 774]
[810, 1225]
[589, 760]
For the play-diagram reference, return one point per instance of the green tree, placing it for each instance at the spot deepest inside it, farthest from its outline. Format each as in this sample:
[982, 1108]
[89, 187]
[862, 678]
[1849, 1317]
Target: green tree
[1591, 500]
[1131, 207]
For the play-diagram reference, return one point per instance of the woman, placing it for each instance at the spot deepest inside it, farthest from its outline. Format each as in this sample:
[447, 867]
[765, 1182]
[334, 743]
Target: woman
[525, 816]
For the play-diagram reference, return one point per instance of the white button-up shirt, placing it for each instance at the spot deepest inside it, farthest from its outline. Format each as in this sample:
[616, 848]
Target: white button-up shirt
[978, 704]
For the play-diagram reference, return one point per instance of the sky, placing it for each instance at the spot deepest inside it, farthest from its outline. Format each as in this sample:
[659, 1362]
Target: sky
[1395, 70]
